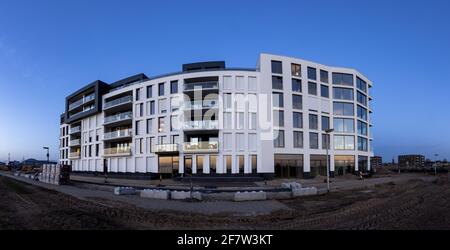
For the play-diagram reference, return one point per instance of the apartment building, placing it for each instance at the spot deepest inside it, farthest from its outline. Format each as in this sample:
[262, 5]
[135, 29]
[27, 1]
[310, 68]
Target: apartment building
[417, 161]
[211, 120]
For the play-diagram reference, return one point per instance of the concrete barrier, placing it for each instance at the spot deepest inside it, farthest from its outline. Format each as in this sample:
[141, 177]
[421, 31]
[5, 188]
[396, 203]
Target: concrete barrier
[124, 191]
[250, 196]
[155, 194]
[291, 185]
[304, 191]
[183, 195]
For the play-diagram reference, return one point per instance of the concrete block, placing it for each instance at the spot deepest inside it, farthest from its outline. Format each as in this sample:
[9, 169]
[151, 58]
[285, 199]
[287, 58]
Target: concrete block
[124, 191]
[183, 195]
[304, 191]
[291, 185]
[250, 196]
[155, 194]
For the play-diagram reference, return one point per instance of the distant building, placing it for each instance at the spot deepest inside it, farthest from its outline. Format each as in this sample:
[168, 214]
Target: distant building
[417, 161]
[2, 164]
[376, 161]
[35, 163]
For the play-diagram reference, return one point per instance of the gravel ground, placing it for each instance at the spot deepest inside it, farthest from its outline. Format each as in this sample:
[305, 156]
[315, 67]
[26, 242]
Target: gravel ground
[417, 204]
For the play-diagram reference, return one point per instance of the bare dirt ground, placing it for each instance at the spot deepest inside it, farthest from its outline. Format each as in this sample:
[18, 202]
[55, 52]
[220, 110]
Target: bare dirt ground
[414, 205]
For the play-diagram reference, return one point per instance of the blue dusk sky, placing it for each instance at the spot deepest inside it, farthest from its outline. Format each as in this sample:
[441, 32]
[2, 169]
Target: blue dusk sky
[49, 49]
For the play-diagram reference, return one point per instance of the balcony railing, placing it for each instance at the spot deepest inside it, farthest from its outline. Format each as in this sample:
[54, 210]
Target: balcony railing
[201, 147]
[201, 104]
[75, 129]
[201, 125]
[74, 155]
[201, 85]
[75, 142]
[118, 134]
[165, 148]
[119, 151]
[118, 117]
[81, 101]
[116, 102]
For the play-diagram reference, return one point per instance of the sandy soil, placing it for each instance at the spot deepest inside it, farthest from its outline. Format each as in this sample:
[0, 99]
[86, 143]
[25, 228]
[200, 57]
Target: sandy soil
[414, 205]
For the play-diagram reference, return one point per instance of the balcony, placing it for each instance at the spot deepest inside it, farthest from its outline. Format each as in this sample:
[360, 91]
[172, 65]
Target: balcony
[118, 117]
[118, 102]
[74, 130]
[74, 143]
[201, 86]
[205, 104]
[82, 101]
[74, 155]
[115, 152]
[124, 133]
[201, 147]
[201, 125]
[165, 148]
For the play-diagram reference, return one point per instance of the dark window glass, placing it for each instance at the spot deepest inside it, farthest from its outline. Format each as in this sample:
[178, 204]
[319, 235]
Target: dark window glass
[161, 89]
[277, 67]
[296, 85]
[325, 141]
[343, 93]
[277, 82]
[343, 79]
[278, 100]
[361, 84]
[174, 87]
[298, 120]
[313, 122]
[324, 91]
[325, 123]
[298, 139]
[278, 142]
[212, 164]
[361, 98]
[362, 113]
[138, 94]
[344, 125]
[312, 73]
[149, 91]
[278, 118]
[312, 88]
[152, 107]
[97, 149]
[90, 150]
[313, 140]
[341, 108]
[324, 76]
[362, 144]
[254, 159]
[296, 69]
[362, 128]
[297, 102]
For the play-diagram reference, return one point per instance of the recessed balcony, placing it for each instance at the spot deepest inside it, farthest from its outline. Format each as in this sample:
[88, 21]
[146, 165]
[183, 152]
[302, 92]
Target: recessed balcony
[205, 104]
[118, 134]
[117, 152]
[118, 118]
[201, 125]
[201, 147]
[118, 102]
[82, 101]
[165, 149]
[75, 143]
[201, 86]
[74, 155]
[74, 130]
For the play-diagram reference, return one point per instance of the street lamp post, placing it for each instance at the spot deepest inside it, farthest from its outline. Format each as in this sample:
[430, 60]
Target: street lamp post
[48, 154]
[328, 132]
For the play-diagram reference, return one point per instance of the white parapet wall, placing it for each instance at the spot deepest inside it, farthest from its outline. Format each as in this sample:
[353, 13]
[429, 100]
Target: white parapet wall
[250, 196]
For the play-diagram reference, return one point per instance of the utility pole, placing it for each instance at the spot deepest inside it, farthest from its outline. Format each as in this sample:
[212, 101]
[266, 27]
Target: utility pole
[328, 132]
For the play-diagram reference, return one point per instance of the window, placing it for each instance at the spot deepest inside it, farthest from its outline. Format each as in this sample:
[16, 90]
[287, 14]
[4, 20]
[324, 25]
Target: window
[138, 128]
[324, 76]
[297, 102]
[138, 94]
[252, 124]
[240, 83]
[325, 141]
[97, 149]
[362, 144]
[344, 142]
[277, 67]
[252, 84]
[161, 125]
[174, 123]
[150, 91]
[141, 145]
[227, 82]
[278, 118]
[361, 84]
[228, 165]
[312, 88]
[254, 163]
[298, 120]
[312, 73]
[227, 122]
[152, 107]
[362, 113]
[174, 87]
[141, 109]
[313, 140]
[324, 92]
[252, 142]
[227, 141]
[240, 120]
[298, 139]
[340, 108]
[90, 150]
[161, 89]
[200, 164]
[343, 79]
[296, 69]
[277, 82]
[296, 85]
[278, 142]
[162, 105]
[313, 122]
[212, 164]
[343, 94]
[241, 163]
[362, 128]
[149, 126]
[361, 98]
[240, 141]
[277, 99]
[227, 100]
[325, 123]
[344, 125]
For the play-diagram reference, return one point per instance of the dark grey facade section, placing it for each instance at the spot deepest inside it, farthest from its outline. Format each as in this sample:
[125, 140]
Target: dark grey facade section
[129, 81]
[203, 66]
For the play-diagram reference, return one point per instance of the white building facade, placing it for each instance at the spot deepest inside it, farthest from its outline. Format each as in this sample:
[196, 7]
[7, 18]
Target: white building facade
[209, 120]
